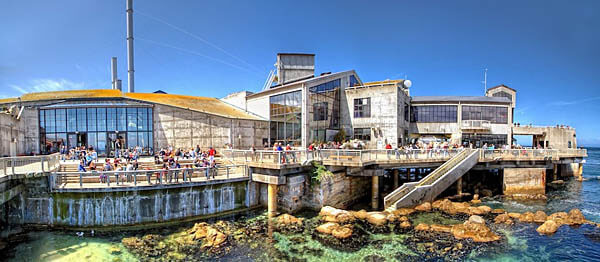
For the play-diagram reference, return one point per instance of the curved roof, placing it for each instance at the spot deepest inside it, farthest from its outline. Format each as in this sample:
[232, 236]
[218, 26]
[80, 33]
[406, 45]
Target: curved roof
[207, 105]
[480, 99]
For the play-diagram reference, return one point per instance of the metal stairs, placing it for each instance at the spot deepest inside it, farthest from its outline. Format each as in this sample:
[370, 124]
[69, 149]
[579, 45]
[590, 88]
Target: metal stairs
[414, 193]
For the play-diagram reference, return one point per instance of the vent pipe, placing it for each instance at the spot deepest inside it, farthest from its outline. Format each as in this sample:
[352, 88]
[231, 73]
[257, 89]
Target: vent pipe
[130, 46]
[119, 85]
[113, 66]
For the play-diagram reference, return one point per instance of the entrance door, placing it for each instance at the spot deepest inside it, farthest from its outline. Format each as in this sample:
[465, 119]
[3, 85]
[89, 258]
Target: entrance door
[82, 139]
[110, 144]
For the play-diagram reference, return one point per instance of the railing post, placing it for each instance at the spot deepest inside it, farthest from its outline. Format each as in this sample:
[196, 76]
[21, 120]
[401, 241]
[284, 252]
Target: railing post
[107, 180]
[12, 165]
[135, 178]
[227, 171]
[42, 162]
[80, 179]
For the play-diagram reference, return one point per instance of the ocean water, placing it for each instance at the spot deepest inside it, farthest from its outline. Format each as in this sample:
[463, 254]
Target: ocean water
[580, 243]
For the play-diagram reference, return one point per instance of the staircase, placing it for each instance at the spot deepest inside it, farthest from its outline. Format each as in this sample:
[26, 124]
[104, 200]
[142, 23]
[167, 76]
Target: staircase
[414, 193]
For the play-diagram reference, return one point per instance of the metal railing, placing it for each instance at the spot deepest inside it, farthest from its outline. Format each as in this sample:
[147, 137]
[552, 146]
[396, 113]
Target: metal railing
[518, 154]
[145, 177]
[29, 164]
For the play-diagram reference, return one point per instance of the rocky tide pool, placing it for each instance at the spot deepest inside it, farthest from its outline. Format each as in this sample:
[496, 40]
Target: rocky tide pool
[435, 233]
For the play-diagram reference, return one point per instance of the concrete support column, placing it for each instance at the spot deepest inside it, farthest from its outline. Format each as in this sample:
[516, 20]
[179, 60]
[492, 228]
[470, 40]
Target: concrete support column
[555, 172]
[374, 192]
[580, 171]
[396, 178]
[459, 184]
[272, 200]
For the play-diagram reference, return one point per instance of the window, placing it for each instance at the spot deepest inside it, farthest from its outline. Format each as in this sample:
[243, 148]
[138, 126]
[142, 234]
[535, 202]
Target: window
[478, 140]
[433, 114]
[111, 119]
[326, 86]
[286, 115]
[91, 119]
[362, 134]
[320, 111]
[503, 94]
[406, 111]
[71, 120]
[61, 120]
[352, 81]
[362, 107]
[494, 114]
[132, 119]
[121, 119]
[81, 120]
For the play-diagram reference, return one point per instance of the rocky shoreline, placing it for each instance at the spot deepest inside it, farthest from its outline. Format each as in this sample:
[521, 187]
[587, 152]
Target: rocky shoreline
[456, 230]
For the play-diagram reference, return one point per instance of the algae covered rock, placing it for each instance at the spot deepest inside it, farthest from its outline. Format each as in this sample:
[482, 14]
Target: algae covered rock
[526, 217]
[575, 217]
[403, 211]
[422, 227]
[503, 219]
[476, 219]
[342, 232]
[539, 217]
[327, 228]
[377, 218]
[287, 219]
[476, 231]
[425, 207]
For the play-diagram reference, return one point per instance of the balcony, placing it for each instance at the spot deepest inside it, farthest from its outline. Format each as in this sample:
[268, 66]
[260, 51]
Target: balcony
[476, 125]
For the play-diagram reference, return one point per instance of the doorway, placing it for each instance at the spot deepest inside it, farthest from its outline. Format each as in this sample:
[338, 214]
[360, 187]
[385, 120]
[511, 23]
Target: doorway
[76, 140]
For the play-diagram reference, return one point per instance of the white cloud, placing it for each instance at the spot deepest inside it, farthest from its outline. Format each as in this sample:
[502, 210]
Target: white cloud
[47, 85]
[574, 102]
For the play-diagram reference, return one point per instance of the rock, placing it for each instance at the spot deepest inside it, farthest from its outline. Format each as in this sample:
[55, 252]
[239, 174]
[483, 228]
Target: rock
[403, 211]
[200, 230]
[214, 238]
[526, 217]
[558, 182]
[327, 228]
[486, 193]
[476, 197]
[342, 232]
[114, 250]
[575, 217]
[425, 207]
[474, 211]
[503, 219]
[405, 225]
[475, 201]
[440, 228]
[361, 214]
[422, 227]
[485, 209]
[558, 217]
[498, 211]
[403, 219]
[332, 214]
[287, 219]
[539, 217]
[377, 218]
[476, 219]
[477, 232]
[549, 227]
[514, 215]
[437, 204]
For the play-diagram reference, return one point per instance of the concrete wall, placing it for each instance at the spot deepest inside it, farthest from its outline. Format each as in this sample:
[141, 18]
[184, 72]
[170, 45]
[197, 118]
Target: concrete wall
[384, 113]
[237, 99]
[186, 129]
[524, 181]
[19, 137]
[37, 206]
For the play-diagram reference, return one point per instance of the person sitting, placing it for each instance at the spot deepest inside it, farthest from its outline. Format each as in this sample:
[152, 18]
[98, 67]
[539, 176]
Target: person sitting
[81, 167]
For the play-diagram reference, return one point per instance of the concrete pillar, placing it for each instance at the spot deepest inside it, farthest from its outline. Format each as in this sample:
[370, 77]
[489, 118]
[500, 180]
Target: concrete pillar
[459, 184]
[580, 171]
[272, 200]
[374, 192]
[396, 178]
[555, 172]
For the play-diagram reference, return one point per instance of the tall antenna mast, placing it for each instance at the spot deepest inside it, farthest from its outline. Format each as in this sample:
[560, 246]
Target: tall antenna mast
[130, 70]
[485, 81]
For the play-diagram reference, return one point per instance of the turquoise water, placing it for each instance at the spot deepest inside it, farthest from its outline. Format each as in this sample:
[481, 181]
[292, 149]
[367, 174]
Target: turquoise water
[524, 243]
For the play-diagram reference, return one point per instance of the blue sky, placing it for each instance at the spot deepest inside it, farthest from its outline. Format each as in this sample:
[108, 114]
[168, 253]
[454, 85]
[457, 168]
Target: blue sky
[548, 50]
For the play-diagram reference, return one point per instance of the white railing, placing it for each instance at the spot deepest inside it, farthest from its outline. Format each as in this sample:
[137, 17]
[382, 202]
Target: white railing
[29, 164]
[145, 177]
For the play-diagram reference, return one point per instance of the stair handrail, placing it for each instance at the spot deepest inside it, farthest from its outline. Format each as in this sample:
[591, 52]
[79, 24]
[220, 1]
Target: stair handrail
[396, 194]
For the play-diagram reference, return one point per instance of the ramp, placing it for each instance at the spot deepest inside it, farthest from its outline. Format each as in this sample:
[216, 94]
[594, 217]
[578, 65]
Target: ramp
[411, 194]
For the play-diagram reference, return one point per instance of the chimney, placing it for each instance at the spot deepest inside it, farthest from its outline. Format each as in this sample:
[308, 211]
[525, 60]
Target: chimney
[130, 46]
[119, 85]
[113, 66]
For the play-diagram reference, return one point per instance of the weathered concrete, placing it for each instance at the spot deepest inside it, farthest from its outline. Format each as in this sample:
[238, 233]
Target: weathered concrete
[374, 192]
[16, 135]
[524, 181]
[272, 205]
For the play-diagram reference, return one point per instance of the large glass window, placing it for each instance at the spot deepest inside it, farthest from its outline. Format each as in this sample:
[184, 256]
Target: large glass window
[353, 81]
[362, 107]
[91, 119]
[81, 120]
[92, 126]
[478, 140]
[433, 114]
[71, 120]
[286, 115]
[326, 86]
[494, 114]
[132, 119]
[362, 134]
[320, 111]
[503, 94]
[121, 119]
[61, 120]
